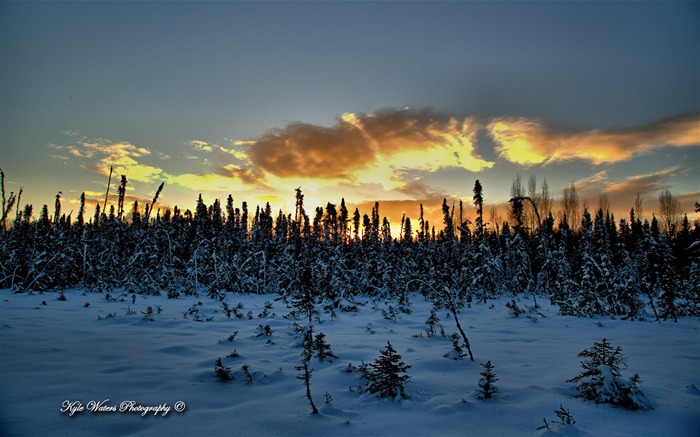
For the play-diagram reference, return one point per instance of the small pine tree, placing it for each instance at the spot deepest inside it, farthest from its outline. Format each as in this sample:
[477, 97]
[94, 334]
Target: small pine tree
[323, 349]
[486, 384]
[601, 380]
[386, 376]
[457, 352]
[431, 322]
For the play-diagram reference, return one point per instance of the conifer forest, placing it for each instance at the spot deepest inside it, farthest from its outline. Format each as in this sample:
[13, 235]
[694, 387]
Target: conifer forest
[595, 266]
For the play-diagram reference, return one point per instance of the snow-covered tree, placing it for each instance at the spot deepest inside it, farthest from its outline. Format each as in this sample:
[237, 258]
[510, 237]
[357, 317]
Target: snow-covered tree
[517, 270]
[487, 271]
[601, 380]
[665, 279]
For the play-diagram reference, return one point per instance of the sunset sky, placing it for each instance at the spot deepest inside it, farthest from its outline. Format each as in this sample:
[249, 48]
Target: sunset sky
[398, 102]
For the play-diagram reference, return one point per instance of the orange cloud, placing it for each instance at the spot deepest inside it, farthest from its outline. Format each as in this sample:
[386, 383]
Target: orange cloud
[643, 184]
[365, 148]
[311, 151]
[528, 142]
[622, 193]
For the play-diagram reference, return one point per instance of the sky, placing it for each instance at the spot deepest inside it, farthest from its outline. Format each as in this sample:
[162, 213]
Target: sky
[397, 102]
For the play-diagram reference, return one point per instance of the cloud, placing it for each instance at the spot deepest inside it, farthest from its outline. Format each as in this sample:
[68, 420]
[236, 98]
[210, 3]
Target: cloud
[594, 179]
[229, 163]
[643, 184]
[204, 146]
[305, 150]
[528, 142]
[98, 155]
[201, 145]
[622, 193]
[417, 189]
[371, 147]
[246, 176]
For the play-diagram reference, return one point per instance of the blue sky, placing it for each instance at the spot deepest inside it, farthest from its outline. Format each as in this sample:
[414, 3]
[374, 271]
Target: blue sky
[401, 102]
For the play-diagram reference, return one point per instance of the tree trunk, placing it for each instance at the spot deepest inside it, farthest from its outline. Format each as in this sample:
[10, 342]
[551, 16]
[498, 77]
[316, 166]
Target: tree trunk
[453, 308]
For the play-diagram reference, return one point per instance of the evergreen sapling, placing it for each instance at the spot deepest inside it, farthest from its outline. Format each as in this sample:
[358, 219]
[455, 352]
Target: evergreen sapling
[386, 376]
[486, 384]
[322, 348]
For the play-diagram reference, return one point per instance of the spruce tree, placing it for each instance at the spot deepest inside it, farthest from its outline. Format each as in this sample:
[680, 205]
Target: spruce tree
[590, 300]
[487, 270]
[322, 348]
[486, 384]
[665, 281]
[386, 376]
[479, 206]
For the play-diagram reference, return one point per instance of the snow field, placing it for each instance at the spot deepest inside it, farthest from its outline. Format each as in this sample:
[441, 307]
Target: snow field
[62, 351]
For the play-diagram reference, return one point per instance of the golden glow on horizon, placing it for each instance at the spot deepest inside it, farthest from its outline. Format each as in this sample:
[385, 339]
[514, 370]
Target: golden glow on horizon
[126, 165]
[207, 183]
[381, 156]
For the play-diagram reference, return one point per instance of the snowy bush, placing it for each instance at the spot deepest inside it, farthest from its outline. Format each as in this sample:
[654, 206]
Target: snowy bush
[513, 309]
[457, 352]
[601, 380]
[248, 375]
[564, 418]
[149, 314]
[222, 372]
[263, 331]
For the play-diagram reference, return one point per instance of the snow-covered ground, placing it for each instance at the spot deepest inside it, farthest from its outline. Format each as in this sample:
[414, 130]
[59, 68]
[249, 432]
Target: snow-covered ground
[70, 351]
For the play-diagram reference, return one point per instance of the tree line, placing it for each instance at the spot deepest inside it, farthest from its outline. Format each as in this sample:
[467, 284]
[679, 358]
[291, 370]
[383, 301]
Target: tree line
[595, 266]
